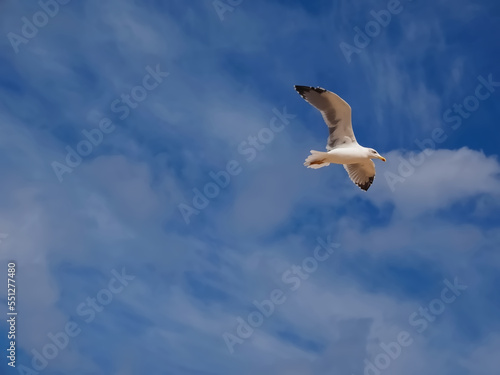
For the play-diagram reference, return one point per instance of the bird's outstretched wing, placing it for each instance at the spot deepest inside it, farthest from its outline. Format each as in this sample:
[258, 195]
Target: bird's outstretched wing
[362, 174]
[335, 111]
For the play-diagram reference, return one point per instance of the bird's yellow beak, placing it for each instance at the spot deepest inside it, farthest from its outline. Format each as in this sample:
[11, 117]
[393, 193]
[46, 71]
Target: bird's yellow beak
[382, 158]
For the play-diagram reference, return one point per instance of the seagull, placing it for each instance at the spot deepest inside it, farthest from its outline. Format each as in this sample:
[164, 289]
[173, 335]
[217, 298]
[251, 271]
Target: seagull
[342, 145]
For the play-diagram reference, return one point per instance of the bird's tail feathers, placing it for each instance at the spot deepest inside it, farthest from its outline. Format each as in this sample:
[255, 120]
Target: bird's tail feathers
[316, 160]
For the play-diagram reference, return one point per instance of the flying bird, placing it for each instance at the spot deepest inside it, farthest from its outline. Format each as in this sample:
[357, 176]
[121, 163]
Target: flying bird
[342, 145]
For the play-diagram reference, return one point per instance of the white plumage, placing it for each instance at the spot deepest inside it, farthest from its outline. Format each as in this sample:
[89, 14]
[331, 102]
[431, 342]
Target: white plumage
[342, 145]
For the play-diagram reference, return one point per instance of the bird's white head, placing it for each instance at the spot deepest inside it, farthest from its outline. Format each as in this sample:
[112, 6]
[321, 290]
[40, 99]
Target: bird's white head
[372, 154]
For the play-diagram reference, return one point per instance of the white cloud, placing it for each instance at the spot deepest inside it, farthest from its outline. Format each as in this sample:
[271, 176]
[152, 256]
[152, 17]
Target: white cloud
[443, 178]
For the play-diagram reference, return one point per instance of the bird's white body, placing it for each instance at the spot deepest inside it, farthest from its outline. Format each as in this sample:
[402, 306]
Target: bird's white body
[347, 155]
[341, 155]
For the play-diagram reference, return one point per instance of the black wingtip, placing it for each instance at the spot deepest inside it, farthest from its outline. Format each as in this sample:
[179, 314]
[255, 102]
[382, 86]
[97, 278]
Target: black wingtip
[366, 185]
[302, 90]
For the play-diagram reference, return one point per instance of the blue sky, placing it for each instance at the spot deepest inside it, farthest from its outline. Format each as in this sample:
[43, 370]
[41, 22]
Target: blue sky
[108, 264]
